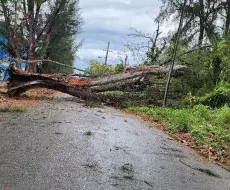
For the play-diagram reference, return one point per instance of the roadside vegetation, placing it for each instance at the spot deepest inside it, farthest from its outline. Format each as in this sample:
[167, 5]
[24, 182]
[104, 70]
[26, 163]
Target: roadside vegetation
[210, 128]
[12, 108]
[205, 120]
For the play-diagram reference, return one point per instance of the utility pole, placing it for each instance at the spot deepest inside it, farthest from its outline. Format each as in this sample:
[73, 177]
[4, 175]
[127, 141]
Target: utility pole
[174, 56]
[126, 61]
[107, 54]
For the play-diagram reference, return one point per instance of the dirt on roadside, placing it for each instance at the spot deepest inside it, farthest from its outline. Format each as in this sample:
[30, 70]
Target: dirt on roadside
[27, 100]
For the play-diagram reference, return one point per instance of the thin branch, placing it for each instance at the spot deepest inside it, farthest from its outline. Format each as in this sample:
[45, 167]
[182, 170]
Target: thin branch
[50, 22]
[138, 33]
[199, 48]
[25, 14]
[47, 60]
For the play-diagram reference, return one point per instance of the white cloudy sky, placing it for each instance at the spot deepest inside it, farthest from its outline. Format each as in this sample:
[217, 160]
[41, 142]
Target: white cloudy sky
[109, 21]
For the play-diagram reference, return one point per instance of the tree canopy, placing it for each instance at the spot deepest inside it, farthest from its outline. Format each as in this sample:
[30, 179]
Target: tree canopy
[32, 28]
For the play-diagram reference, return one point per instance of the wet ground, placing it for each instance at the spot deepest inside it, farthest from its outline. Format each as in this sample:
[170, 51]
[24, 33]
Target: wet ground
[64, 145]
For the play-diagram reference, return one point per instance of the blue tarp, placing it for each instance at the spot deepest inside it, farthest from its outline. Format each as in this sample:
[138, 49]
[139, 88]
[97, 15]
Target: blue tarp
[5, 58]
[3, 73]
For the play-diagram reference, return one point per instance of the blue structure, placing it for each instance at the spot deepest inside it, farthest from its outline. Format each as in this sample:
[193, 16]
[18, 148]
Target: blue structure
[3, 73]
[5, 58]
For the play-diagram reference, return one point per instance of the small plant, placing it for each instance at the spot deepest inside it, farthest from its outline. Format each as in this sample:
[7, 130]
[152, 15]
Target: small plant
[181, 123]
[119, 68]
[189, 100]
[28, 94]
[88, 133]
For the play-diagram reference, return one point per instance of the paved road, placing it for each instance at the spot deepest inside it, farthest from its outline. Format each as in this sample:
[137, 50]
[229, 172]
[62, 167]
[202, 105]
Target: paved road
[51, 148]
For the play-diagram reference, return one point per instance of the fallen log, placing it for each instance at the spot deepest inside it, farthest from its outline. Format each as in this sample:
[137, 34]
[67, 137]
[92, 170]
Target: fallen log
[86, 88]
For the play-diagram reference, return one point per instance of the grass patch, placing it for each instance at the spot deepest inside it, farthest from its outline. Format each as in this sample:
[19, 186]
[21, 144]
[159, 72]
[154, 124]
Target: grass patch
[210, 128]
[13, 109]
[92, 104]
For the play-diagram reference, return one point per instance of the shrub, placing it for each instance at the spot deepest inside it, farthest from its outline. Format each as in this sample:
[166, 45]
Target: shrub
[119, 68]
[180, 123]
[223, 117]
[219, 97]
[97, 69]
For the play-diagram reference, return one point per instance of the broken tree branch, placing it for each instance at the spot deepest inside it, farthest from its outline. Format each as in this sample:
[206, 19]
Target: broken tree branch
[47, 60]
[86, 88]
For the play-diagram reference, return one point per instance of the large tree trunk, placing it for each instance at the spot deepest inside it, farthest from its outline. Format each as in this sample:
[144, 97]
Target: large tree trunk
[85, 88]
[202, 22]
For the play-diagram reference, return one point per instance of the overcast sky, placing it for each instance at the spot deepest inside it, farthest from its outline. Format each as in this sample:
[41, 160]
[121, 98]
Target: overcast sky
[109, 21]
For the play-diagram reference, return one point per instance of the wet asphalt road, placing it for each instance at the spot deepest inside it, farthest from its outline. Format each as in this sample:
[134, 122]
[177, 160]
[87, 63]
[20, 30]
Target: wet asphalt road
[64, 145]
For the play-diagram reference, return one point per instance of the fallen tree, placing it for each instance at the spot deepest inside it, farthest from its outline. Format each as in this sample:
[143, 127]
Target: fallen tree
[86, 88]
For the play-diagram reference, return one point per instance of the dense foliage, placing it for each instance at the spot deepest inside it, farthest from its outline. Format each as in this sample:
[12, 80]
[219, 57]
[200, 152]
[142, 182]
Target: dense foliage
[97, 69]
[63, 45]
[218, 97]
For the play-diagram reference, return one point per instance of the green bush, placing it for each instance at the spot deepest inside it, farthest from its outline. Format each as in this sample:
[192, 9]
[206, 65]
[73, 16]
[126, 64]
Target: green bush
[97, 69]
[180, 123]
[221, 51]
[119, 68]
[223, 117]
[220, 96]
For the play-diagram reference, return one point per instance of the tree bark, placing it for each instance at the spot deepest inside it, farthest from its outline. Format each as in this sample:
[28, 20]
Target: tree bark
[202, 22]
[227, 27]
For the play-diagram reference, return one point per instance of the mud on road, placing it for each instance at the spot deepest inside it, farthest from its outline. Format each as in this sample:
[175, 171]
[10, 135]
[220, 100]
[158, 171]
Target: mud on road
[64, 145]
